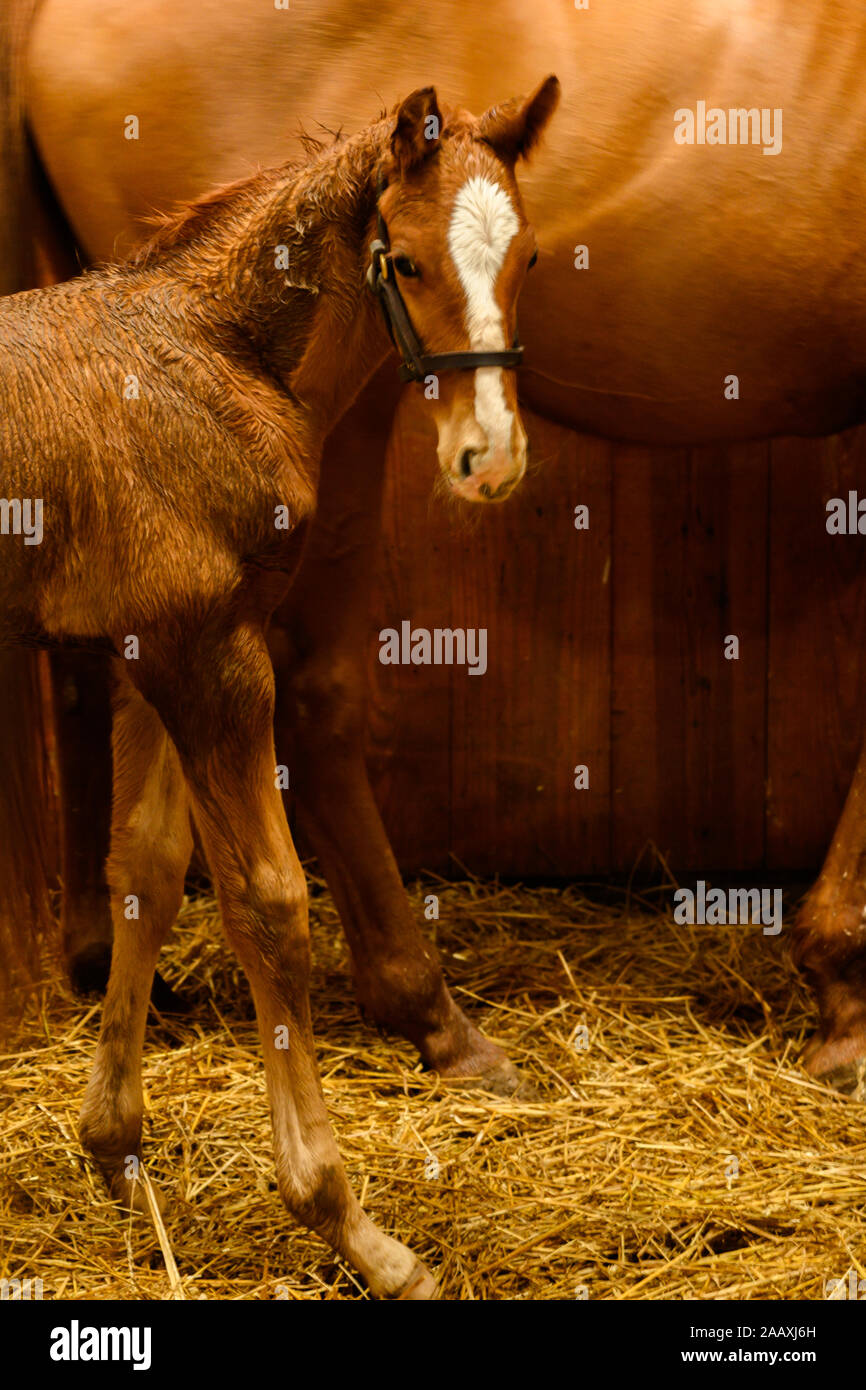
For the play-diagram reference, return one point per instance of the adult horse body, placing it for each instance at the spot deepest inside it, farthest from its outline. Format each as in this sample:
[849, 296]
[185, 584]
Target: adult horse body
[639, 347]
[165, 419]
[705, 260]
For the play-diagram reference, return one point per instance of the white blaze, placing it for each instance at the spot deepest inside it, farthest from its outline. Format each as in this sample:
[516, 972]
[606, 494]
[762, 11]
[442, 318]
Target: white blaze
[482, 226]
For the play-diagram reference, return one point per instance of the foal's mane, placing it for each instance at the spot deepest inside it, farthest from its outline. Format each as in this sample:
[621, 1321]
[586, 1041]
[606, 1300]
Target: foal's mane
[184, 223]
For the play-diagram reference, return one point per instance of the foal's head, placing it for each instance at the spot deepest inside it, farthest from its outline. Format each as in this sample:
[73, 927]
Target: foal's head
[460, 246]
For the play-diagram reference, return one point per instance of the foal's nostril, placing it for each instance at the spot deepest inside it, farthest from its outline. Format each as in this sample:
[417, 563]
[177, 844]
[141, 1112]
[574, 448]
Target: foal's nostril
[466, 463]
[484, 489]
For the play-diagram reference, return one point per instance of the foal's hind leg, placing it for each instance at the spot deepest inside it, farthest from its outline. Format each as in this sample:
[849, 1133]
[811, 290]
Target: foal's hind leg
[319, 658]
[225, 735]
[81, 687]
[151, 844]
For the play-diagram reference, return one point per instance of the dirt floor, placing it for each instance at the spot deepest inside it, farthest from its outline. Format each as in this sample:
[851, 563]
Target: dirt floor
[675, 1148]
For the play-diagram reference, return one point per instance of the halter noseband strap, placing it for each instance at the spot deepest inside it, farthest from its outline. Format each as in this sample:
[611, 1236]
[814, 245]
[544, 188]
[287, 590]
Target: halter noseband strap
[417, 364]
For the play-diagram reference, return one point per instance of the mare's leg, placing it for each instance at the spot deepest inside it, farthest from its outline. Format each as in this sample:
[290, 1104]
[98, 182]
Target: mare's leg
[830, 946]
[222, 723]
[150, 849]
[318, 645]
[82, 721]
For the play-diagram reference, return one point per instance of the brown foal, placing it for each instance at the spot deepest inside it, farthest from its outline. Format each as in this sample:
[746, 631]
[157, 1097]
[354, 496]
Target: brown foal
[165, 419]
[634, 350]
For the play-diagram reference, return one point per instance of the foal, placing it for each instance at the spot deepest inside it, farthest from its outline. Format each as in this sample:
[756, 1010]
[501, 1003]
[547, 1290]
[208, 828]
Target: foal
[165, 419]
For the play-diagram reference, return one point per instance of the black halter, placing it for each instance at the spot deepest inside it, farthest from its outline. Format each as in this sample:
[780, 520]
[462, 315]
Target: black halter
[417, 364]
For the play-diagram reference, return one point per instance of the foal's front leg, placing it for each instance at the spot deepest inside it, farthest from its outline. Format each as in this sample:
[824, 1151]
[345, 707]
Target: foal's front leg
[263, 900]
[318, 649]
[398, 975]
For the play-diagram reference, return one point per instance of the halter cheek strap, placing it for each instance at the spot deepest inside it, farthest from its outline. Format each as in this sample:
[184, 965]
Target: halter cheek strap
[417, 364]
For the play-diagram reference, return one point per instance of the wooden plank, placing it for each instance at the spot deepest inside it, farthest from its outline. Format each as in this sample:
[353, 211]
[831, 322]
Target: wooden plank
[688, 748]
[541, 589]
[817, 676]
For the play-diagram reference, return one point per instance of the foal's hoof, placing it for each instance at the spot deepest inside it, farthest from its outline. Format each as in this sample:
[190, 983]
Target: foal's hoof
[132, 1196]
[504, 1079]
[849, 1078]
[840, 1064]
[89, 969]
[420, 1286]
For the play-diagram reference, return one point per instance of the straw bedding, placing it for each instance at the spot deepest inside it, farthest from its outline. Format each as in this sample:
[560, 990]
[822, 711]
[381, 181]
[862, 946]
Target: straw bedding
[674, 1148]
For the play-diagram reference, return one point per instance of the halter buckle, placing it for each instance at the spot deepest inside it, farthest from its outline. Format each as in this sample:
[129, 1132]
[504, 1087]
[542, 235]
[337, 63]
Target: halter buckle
[379, 265]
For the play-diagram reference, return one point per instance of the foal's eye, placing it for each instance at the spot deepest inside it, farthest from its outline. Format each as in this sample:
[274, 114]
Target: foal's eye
[404, 265]
[532, 259]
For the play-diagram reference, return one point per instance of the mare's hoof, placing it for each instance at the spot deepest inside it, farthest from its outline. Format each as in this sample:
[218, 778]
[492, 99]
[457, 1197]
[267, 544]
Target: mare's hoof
[420, 1286]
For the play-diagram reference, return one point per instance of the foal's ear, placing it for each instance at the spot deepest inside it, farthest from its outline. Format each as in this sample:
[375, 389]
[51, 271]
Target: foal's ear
[515, 128]
[418, 126]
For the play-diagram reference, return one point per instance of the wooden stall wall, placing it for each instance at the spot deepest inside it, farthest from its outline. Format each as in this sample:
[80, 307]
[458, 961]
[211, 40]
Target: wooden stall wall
[606, 648]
